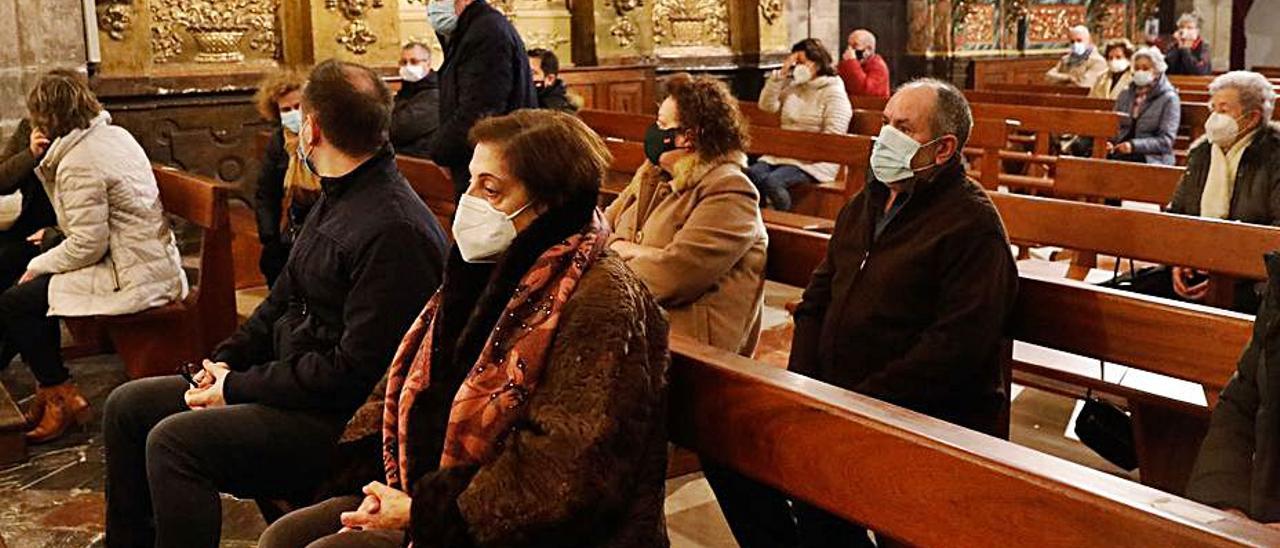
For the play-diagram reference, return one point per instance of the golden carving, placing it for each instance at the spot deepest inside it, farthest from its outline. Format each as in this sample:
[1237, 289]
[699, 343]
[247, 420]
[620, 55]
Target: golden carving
[978, 27]
[1049, 24]
[356, 35]
[690, 23]
[1113, 22]
[624, 30]
[115, 18]
[770, 10]
[544, 39]
[216, 27]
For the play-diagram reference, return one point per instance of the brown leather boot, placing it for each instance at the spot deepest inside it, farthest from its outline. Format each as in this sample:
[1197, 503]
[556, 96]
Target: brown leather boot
[35, 408]
[66, 407]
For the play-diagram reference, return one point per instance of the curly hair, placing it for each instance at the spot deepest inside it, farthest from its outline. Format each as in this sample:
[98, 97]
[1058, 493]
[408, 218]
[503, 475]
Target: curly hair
[274, 86]
[62, 102]
[710, 112]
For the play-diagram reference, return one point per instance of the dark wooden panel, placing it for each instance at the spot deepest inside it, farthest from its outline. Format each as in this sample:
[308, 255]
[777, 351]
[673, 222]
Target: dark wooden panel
[1013, 70]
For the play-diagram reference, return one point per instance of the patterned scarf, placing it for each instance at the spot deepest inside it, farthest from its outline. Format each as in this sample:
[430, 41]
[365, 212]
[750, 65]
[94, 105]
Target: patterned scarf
[508, 370]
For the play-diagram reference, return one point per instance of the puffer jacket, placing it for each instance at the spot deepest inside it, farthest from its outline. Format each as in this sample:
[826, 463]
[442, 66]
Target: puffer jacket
[119, 255]
[819, 105]
[1155, 127]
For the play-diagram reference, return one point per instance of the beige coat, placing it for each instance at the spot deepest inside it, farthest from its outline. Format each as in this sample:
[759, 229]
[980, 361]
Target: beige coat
[819, 105]
[1083, 75]
[1104, 90]
[701, 247]
[119, 255]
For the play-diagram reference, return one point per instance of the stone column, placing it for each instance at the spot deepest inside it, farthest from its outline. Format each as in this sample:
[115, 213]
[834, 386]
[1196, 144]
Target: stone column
[815, 19]
[1216, 29]
[35, 36]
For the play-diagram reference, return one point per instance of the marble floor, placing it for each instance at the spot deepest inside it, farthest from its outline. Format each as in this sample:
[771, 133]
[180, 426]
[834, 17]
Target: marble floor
[55, 498]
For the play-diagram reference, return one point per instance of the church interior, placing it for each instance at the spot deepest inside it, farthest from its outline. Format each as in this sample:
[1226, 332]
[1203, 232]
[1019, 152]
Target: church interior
[1096, 379]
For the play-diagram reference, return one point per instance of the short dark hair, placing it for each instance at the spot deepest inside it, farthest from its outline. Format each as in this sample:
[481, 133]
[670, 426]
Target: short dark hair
[816, 52]
[546, 59]
[62, 102]
[711, 113]
[351, 104]
[558, 158]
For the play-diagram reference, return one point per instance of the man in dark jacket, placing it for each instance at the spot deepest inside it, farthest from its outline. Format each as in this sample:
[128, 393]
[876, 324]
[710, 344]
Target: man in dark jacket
[909, 305]
[1239, 461]
[552, 94]
[1232, 174]
[17, 174]
[1190, 54]
[263, 417]
[417, 112]
[485, 73]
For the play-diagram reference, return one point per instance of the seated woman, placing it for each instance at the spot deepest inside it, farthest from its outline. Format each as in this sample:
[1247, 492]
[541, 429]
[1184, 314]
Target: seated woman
[526, 406]
[811, 97]
[1154, 111]
[286, 190]
[689, 223]
[1119, 70]
[118, 255]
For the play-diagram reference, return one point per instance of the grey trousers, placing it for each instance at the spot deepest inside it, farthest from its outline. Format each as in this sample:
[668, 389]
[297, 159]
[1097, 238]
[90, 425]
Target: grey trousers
[317, 526]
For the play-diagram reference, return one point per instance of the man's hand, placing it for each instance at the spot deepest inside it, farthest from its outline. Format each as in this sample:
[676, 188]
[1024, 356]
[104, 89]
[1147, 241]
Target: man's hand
[849, 54]
[1184, 283]
[390, 509]
[209, 386]
[38, 143]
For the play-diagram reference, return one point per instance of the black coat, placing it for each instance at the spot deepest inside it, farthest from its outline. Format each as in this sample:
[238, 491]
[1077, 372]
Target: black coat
[1194, 61]
[269, 196]
[1239, 462]
[416, 116]
[17, 173]
[556, 97]
[916, 318]
[1255, 197]
[485, 72]
[367, 258]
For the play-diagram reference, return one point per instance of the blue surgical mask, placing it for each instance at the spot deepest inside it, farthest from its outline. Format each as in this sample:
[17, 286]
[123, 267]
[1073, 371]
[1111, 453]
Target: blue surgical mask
[892, 153]
[292, 120]
[304, 157]
[442, 17]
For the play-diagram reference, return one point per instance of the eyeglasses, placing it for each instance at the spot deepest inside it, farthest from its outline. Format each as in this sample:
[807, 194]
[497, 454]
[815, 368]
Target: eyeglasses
[189, 371]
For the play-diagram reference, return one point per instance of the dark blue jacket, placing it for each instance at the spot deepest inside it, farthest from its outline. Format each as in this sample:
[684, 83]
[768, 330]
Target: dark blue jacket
[1154, 129]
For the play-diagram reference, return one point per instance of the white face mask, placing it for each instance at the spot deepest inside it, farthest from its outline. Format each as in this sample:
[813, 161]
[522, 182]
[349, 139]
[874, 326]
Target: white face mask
[1119, 65]
[892, 153]
[481, 230]
[292, 120]
[1079, 48]
[1143, 78]
[413, 73]
[1221, 129]
[802, 74]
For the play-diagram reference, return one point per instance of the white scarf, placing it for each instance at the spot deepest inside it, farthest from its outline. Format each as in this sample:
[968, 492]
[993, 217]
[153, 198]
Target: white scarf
[1215, 201]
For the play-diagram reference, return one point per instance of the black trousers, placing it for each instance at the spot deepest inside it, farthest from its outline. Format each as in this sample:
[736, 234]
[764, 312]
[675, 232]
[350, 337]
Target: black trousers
[167, 464]
[761, 517]
[27, 328]
[15, 253]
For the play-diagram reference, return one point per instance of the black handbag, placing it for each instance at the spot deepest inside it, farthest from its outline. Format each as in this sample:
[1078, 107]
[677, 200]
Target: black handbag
[1108, 431]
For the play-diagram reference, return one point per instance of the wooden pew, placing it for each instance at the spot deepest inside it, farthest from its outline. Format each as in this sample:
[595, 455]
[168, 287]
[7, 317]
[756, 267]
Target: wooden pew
[863, 122]
[1039, 100]
[1043, 89]
[156, 341]
[1111, 179]
[433, 184]
[867, 461]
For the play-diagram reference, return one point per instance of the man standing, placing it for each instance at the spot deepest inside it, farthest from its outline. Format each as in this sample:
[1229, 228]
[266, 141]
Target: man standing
[417, 109]
[546, 79]
[864, 72]
[262, 418]
[1082, 66]
[909, 305]
[485, 73]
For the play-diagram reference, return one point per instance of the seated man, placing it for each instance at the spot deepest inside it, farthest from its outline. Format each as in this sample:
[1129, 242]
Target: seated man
[417, 109]
[546, 80]
[1236, 469]
[262, 418]
[1083, 66]
[909, 305]
[863, 70]
[1232, 172]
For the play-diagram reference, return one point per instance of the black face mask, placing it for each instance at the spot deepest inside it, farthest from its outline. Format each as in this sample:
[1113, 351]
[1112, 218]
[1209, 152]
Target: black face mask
[861, 54]
[658, 141]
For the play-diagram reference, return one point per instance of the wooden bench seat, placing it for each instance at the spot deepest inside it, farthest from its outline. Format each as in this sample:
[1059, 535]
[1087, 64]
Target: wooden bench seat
[157, 341]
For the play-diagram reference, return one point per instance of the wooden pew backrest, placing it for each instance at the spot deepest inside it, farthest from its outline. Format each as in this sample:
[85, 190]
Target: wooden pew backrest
[432, 184]
[1039, 100]
[867, 461]
[1094, 178]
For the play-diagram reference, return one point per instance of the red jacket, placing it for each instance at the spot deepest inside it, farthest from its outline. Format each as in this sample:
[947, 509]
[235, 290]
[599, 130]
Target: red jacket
[869, 77]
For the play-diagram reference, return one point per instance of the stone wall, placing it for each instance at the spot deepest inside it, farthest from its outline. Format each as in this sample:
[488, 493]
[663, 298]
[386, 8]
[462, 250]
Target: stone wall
[35, 36]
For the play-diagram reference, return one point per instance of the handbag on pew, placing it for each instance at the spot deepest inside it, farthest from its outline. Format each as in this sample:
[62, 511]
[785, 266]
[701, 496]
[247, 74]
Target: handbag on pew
[1107, 430]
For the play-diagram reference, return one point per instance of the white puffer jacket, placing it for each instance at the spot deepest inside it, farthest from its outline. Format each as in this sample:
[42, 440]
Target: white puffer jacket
[819, 105]
[119, 255]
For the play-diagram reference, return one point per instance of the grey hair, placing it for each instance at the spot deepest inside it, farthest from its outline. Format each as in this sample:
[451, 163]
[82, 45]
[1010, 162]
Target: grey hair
[1153, 54]
[951, 114]
[869, 38]
[413, 44]
[1081, 29]
[1191, 17]
[1255, 91]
